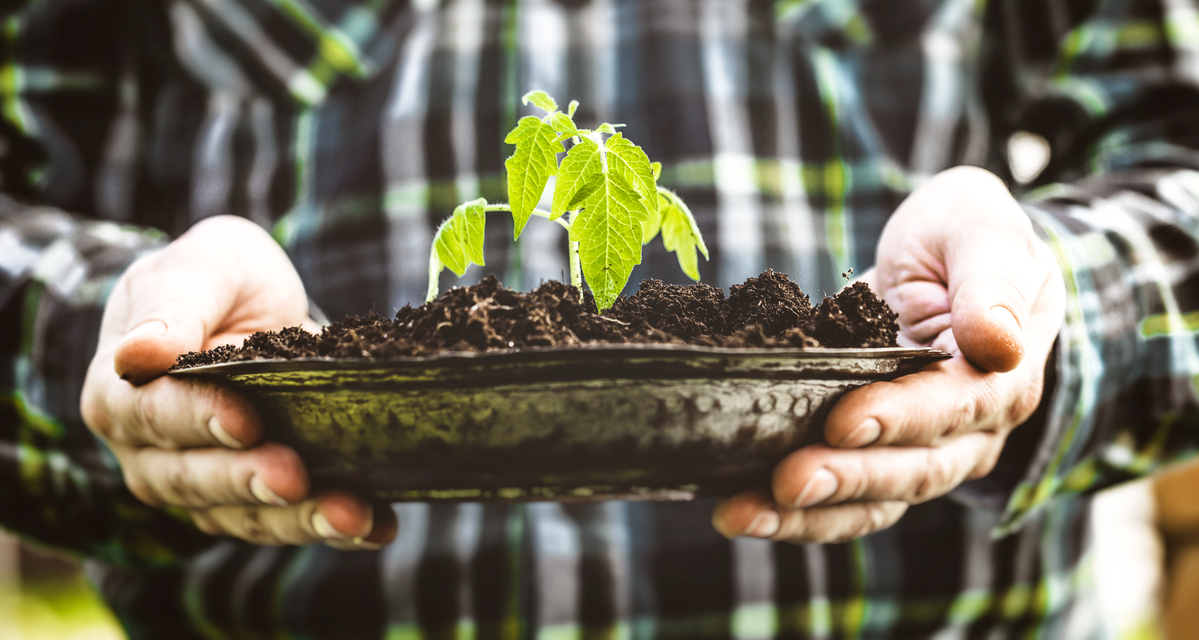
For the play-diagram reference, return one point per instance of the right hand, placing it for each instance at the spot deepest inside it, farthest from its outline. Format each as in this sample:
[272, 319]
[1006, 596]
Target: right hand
[197, 445]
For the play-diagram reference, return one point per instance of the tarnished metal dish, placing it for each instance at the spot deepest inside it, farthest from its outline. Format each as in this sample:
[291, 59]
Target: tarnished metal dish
[660, 422]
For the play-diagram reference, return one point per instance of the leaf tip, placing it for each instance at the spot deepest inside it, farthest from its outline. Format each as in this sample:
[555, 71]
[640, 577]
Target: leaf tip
[541, 100]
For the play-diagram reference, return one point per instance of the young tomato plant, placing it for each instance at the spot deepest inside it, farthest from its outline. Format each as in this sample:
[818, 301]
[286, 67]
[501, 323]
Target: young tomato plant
[606, 196]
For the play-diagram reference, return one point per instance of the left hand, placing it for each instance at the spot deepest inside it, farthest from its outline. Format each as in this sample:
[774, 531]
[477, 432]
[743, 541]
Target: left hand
[194, 445]
[960, 263]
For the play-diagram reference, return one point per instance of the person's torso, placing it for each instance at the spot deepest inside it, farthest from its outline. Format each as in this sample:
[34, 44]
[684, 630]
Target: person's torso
[792, 129]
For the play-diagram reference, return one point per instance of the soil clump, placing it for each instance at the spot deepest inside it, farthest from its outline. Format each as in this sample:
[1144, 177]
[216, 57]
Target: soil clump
[767, 311]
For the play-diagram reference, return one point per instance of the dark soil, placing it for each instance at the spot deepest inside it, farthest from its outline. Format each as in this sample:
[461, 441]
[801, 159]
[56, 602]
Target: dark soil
[766, 311]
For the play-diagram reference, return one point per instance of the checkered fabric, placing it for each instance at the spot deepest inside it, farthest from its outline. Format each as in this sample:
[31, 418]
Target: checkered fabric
[792, 128]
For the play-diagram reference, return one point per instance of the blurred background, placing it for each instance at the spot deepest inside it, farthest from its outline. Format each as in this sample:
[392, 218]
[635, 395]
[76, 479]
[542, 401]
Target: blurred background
[44, 596]
[1145, 566]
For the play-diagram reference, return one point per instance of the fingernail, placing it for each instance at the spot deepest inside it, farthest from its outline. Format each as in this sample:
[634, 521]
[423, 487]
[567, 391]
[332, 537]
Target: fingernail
[1005, 317]
[325, 530]
[151, 328]
[222, 436]
[821, 487]
[866, 433]
[765, 525]
[264, 493]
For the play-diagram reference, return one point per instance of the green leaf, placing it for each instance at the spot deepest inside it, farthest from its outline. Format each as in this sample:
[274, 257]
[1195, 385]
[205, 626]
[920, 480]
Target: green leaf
[606, 128]
[473, 227]
[449, 248]
[563, 124]
[570, 109]
[681, 235]
[541, 100]
[657, 167]
[530, 168]
[579, 169]
[459, 240]
[630, 163]
[582, 194]
[609, 229]
[651, 227]
[578, 133]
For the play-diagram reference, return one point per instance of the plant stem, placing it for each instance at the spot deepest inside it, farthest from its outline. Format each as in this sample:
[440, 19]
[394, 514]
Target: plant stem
[576, 266]
[434, 273]
[540, 213]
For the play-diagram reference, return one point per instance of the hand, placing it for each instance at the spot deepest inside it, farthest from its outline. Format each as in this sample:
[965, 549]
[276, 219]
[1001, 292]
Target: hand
[960, 263]
[196, 445]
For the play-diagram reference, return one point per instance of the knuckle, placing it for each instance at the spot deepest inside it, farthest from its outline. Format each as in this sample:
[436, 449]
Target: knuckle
[962, 416]
[141, 489]
[877, 516]
[795, 528]
[936, 476]
[148, 415]
[1024, 404]
[206, 524]
[971, 176]
[253, 529]
[144, 410]
[94, 416]
[987, 464]
[143, 266]
[860, 480]
[1043, 259]
[874, 518]
[180, 484]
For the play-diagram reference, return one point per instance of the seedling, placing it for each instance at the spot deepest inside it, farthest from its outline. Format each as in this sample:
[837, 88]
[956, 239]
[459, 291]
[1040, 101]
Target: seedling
[606, 196]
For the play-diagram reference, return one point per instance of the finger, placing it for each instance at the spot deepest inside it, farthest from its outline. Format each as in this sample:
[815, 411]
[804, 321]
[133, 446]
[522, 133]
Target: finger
[841, 523]
[334, 517]
[384, 530]
[963, 230]
[172, 308]
[750, 513]
[270, 474]
[167, 413]
[822, 476]
[986, 322]
[224, 277]
[747, 514]
[996, 271]
[945, 400]
[923, 308]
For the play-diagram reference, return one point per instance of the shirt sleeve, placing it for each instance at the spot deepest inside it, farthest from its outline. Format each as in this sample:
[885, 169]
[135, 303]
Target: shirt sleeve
[1119, 206]
[59, 485]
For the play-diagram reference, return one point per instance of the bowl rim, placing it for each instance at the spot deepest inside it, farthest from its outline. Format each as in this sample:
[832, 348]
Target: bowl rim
[542, 355]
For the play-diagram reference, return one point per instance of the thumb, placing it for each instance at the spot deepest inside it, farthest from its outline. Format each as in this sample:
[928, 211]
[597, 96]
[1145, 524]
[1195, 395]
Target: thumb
[171, 308]
[147, 352]
[963, 230]
[987, 314]
[222, 279]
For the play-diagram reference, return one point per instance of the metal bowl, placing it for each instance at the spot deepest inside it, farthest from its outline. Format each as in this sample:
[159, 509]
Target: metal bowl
[648, 422]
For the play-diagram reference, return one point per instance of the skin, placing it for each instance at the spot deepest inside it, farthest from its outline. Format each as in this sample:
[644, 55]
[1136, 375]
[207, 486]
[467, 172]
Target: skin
[199, 446]
[960, 263]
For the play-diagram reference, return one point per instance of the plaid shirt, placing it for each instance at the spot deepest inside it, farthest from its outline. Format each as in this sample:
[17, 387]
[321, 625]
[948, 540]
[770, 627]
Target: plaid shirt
[792, 128]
